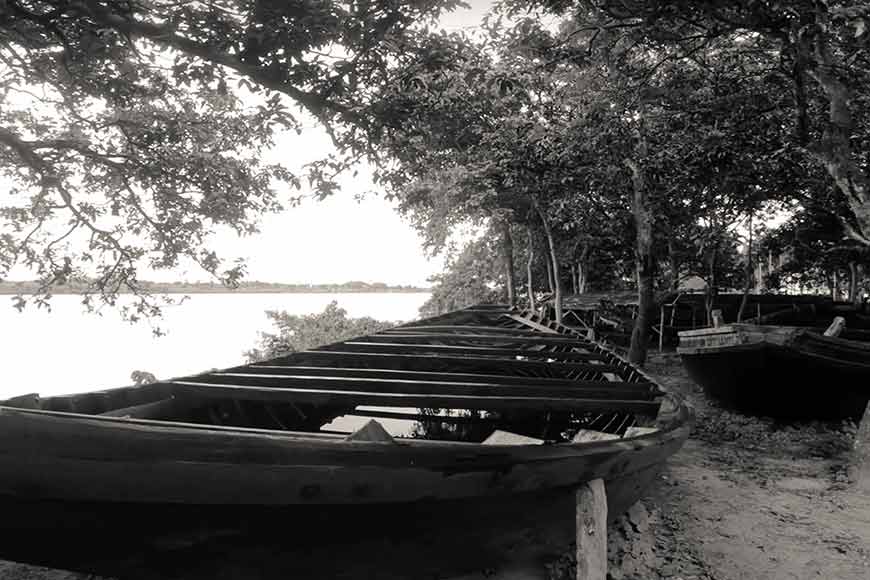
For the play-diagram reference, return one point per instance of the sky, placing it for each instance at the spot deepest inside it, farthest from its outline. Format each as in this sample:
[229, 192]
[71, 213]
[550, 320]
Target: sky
[347, 237]
[342, 238]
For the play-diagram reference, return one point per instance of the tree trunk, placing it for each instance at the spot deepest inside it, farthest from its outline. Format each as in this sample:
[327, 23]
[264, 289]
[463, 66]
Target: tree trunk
[836, 147]
[574, 279]
[747, 284]
[711, 286]
[854, 278]
[645, 264]
[554, 260]
[835, 285]
[582, 269]
[529, 263]
[674, 264]
[549, 266]
[508, 259]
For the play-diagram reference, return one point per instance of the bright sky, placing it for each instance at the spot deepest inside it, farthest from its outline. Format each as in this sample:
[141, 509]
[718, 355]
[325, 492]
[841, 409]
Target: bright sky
[343, 238]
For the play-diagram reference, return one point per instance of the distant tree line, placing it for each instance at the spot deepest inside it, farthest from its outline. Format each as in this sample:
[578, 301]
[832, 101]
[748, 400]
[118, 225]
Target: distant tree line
[31, 287]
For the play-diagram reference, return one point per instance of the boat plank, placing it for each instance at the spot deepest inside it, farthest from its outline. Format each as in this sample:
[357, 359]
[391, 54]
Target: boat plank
[161, 408]
[438, 363]
[336, 396]
[457, 350]
[442, 328]
[399, 374]
[586, 389]
[411, 337]
[532, 324]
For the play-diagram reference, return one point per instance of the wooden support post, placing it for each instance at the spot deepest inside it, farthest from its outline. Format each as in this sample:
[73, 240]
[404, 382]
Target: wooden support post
[592, 531]
[662, 328]
[836, 327]
[860, 468]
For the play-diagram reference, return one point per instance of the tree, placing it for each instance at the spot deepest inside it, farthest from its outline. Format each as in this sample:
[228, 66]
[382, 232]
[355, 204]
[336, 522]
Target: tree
[470, 277]
[817, 49]
[294, 333]
[130, 131]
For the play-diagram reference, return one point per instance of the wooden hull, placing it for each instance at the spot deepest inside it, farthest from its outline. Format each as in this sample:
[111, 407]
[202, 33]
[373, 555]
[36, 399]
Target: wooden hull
[787, 373]
[234, 462]
[76, 458]
[419, 539]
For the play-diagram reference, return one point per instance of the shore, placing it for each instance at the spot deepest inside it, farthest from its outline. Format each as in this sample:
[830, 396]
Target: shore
[746, 498]
[29, 288]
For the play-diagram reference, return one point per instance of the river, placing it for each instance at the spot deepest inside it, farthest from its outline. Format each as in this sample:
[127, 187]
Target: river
[69, 351]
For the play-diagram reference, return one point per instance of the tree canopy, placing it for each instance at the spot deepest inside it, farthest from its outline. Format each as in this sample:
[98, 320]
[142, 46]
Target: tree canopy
[598, 144]
[130, 131]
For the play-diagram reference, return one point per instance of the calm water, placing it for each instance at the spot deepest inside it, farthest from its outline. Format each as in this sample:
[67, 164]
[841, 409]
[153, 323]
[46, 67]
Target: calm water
[68, 351]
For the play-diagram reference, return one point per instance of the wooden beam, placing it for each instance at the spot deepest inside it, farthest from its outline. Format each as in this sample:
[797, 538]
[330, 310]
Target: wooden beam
[438, 363]
[532, 324]
[421, 338]
[582, 389]
[462, 328]
[860, 468]
[164, 408]
[592, 531]
[419, 417]
[338, 396]
[398, 374]
[457, 350]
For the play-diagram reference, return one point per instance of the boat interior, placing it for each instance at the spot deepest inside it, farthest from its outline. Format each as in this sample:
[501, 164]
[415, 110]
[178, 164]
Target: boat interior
[488, 374]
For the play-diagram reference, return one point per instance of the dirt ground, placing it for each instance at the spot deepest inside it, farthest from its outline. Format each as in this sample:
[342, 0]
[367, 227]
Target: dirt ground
[746, 498]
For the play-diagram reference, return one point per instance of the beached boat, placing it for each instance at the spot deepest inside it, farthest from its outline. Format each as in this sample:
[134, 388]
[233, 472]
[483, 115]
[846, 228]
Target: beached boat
[781, 371]
[499, 405]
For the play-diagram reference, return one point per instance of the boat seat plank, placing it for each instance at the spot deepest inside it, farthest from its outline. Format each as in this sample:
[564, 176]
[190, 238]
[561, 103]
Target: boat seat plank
[532, 324]
[422, 337]
[161, 408]
[338, 396]
[400, 374]
[457, 350]
[587, 389]
[439, 363]
[446, 328]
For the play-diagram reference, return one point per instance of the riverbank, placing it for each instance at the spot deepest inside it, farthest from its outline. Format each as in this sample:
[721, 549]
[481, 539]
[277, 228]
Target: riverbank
[746, 498]
[12, 288]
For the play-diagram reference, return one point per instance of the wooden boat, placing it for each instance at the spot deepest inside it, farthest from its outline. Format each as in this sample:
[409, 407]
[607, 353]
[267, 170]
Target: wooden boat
[506, 409]
[781, 371]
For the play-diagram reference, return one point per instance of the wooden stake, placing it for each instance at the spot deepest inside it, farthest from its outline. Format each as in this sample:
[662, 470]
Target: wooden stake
[661, 328]
[592, 531]
[860, 469]
[836, 327]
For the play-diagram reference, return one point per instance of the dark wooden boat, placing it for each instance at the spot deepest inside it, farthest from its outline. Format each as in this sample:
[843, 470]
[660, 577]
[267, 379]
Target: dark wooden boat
[781, 371]
[502, 406]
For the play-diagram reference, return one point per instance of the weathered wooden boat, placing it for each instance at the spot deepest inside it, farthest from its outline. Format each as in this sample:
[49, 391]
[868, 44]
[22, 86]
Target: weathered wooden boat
[506, 411]
[781, 371]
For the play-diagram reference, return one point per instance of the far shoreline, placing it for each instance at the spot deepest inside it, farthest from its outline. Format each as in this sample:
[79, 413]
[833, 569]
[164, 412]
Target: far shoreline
[29, 288]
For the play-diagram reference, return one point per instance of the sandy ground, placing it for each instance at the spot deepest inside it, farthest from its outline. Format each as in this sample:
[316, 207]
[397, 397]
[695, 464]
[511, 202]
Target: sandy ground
[750, 499]
[745, 499]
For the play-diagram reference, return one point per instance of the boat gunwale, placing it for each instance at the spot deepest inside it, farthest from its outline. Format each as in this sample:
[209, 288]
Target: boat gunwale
[683, 416]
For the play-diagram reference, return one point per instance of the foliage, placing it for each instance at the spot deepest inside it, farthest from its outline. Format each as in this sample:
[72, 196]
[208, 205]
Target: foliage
[294, 332]
[130, 131]
[815, 249]
[470, 277]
